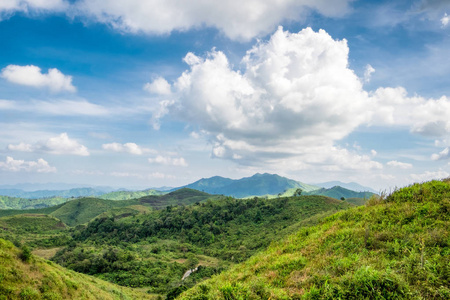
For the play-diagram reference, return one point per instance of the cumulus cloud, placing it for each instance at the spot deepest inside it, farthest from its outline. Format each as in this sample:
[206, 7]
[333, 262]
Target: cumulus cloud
[159, 86]
[61, 144]
[31, 75]
[39, 166]
[294, 97]
[429, 175]
[131, 148]
[167, 160]
[444, 154]
[397, 164]
[445, 20]
[368, 73]
[236, 19]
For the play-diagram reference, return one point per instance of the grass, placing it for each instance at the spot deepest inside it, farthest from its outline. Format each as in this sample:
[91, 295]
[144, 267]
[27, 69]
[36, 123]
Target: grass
[39, 279]
[396, 247]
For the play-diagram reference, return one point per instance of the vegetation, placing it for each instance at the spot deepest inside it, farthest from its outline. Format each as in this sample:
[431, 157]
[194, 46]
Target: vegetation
[396, 247]
[338, 192]
[156, 248]
[23, 276]
[127, 195]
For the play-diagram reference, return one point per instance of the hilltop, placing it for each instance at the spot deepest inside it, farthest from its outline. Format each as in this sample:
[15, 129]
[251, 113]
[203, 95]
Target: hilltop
[394, 248]
[24, 276]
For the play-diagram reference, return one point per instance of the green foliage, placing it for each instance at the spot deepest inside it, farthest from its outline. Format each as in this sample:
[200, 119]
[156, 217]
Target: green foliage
[26, 254]
[395, 248]
[163, 244]
[37, 279]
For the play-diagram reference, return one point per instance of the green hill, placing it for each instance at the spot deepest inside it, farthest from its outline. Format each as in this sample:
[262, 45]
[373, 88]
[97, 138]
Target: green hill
[339, 192]
[82, 210]
[23, 276]
[393, 248]
[184, 196]
[7, 202]
[127, 195]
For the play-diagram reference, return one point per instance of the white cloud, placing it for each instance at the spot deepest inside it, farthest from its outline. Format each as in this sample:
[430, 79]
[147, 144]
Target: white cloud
[31, 75]
[39, 166]
[167, 160]
[131, 148]
[9, 7]
[429, 175]
[444, 154]
[445, 20]
[397, 164]
[427, 117]
[373, 152]
[61, 144]
[159, 86]
[58, 107]
[368, 73]
[237, 19]
[21, 147]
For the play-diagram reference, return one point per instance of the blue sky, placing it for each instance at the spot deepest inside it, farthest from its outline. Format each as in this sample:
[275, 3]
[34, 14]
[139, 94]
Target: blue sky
[150, 93]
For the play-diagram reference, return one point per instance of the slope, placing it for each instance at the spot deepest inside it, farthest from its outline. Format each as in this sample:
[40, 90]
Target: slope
[26, 277]
[395, 248]
[127, 195]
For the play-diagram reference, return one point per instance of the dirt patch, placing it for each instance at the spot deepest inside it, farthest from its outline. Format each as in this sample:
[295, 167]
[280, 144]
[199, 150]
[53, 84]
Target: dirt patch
[46, 253]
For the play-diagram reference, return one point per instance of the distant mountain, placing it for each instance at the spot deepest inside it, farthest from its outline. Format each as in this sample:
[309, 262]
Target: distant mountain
[75, 192]
[256, 185]
[350, 185]
[338, 192]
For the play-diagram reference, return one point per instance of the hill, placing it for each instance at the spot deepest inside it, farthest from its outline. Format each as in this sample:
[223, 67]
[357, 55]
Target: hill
[26, 277]
[348, 185]
[127, 195]
[394, 248]
[339, 192]
[82, 210]
[256, 185]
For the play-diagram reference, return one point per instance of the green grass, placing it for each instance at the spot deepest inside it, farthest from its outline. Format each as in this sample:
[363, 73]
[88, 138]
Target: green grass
[23, 276]
[393, 248]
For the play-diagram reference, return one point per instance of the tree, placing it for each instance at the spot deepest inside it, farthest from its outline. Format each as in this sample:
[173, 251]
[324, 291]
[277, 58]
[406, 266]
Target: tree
[298, 192]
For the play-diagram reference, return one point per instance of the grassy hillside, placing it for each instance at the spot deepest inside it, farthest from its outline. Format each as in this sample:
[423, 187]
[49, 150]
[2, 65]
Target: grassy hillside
[393, 248]
[23, 276]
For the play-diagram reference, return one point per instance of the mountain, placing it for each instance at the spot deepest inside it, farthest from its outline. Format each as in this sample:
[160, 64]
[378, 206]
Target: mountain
[393, 248]
[350, 186]
[75, 192]
[24, 276]
[256, 185]
[339, 192]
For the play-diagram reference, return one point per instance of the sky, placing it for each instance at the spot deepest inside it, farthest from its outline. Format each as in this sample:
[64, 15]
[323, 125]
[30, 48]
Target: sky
[150, 93]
